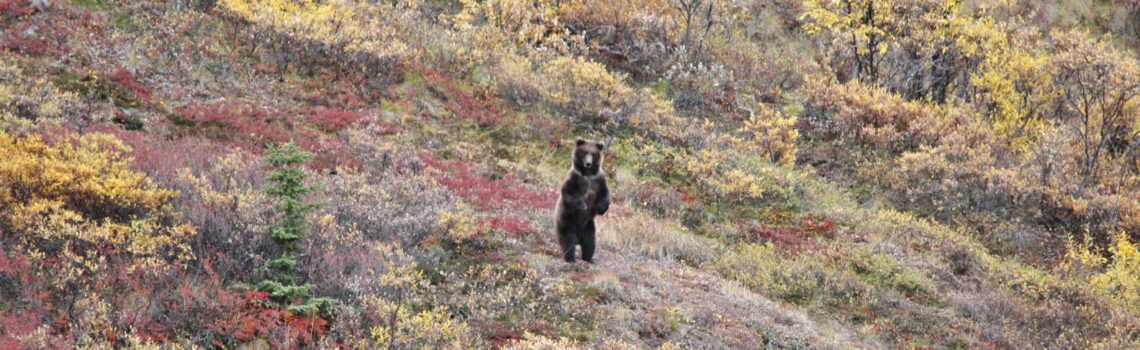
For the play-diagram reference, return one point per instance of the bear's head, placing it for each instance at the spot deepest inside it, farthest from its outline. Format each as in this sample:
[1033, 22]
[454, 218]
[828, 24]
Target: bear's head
[588, 156]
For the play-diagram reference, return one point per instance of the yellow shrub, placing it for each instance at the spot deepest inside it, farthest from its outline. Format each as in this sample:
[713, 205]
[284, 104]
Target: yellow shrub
[656, 117]
[459, 224]
[1100, 100]
[736, 180]
[26, 102]
[1016, 83]
[402, 326]
[883, 270]
[537, 342]
[638, 16]
[1121, 278]
[774, 135]
[435, 329]
[82, 193]
[524, 22]
[1081, 260]
[91, 178]
[864, 28]
[514, 78]
[356, 27]
[762, 268]
[587, 90]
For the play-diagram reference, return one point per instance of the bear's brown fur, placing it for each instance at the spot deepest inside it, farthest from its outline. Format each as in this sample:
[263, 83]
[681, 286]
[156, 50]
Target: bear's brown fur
[584, 195]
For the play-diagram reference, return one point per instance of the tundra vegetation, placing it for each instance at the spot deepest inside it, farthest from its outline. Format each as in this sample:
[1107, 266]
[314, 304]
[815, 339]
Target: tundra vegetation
[383, 174]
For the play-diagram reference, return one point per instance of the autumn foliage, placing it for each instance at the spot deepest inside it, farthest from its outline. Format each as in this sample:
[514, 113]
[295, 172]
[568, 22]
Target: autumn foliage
[797, 174]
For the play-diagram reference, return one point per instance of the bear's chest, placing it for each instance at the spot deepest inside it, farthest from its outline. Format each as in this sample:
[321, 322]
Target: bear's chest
[592, 187]
[587, 190]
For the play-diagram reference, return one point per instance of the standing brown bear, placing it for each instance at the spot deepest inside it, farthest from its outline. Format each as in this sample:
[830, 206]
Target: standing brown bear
[584, 195]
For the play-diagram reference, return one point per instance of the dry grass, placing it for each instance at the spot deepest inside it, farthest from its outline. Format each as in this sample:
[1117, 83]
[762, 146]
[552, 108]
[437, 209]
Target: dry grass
[638, 231]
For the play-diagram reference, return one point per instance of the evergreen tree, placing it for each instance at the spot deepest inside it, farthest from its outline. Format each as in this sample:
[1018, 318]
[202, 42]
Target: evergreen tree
[287, 185]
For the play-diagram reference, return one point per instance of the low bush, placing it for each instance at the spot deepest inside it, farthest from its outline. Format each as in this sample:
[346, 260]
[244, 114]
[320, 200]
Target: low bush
[246, 125]
[1118, 277]
[487, 193]
[587, 91]
[774, 135]
[85, 232]
[402, 207]
[658, 240]
[26, 102]
[761, 267]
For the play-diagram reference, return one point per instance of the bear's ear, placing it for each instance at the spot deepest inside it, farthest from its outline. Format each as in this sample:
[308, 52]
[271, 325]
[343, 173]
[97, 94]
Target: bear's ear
[601, 146]
[581, 142]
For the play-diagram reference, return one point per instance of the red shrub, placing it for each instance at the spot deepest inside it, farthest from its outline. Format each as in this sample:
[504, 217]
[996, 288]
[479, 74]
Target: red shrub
[489, 194]
[26, 46]
[794, 238]
[32, 306]
[16, 326]
[220, 317]
[44, 33]
[127, 80]
[478, 106]
[160, 157]
[322, 93]
[332, 120]
[499, 333]
[512, 225]
[8, 265]
[15, 8]
[252, 319]
[387, 128]
[239, 123]
[254, 128]
[329, 152]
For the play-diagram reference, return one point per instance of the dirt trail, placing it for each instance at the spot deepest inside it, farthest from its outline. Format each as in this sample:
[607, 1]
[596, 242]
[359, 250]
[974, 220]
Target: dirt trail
[653, 301]
[717, 313]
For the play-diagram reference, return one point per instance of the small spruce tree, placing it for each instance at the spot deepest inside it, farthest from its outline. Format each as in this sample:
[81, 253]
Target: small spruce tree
[287, 185]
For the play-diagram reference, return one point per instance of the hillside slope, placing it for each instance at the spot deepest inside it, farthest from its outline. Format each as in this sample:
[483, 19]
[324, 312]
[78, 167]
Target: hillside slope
[785, 174]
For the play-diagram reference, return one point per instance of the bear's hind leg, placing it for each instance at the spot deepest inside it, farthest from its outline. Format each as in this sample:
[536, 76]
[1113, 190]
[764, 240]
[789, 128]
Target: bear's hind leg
[568, 241]
[588, 241]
